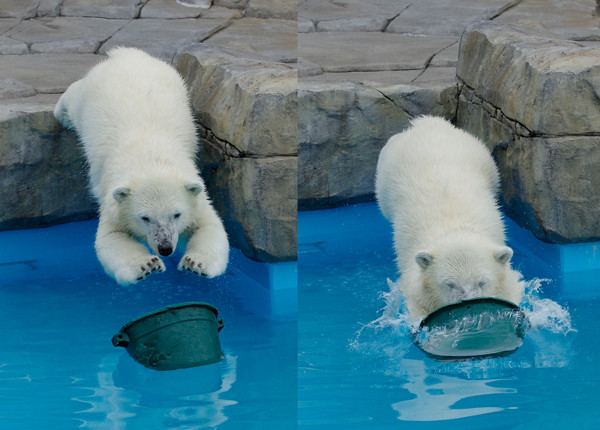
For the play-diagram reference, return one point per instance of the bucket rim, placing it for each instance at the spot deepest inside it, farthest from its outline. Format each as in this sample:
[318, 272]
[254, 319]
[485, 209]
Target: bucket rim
[505, 305]
[434, 314]
[171, 308]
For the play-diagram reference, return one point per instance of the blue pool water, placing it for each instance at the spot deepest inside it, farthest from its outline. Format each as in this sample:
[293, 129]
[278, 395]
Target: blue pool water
[59, 370]
[339, 364]
[357, 372]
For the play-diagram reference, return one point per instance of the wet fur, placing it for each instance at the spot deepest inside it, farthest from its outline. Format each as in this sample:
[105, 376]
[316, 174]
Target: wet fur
[132, 115]
[438, 187]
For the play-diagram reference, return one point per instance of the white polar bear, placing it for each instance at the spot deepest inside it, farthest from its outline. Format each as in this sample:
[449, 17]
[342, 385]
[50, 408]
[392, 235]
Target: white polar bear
[132, 115]
[437, 185]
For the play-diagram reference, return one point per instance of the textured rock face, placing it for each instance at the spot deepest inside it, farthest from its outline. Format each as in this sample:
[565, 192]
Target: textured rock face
[273, 39]
[457, 14]
[551, 86]
[127, 9]
[247, 114]
[342, 128]
[249, 151]
[349, 15]
[42, 168]
[42, 172]
[242, 101]
[535, 102]
[368, 51]
[280, 9]
[64, 34]
[551, 186]
[573, 19]
[359, 85]
[159, 38]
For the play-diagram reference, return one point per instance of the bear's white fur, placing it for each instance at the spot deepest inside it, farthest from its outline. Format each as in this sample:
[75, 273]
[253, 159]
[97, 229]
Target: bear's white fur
[438, 187]
[132, 115]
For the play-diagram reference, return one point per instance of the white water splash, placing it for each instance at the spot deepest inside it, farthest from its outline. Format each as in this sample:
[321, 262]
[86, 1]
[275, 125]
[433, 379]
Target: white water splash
[439, 390]
[394, 320]
[544, 314]
[391, 333]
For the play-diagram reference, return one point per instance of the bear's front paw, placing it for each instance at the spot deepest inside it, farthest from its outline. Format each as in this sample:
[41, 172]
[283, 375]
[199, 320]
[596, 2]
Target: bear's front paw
[202, 265]
[154, 265]
[137, 271]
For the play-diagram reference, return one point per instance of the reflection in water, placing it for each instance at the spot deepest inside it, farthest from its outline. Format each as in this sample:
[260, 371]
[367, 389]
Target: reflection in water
[437, 396]
[185, 398]
[443, 390]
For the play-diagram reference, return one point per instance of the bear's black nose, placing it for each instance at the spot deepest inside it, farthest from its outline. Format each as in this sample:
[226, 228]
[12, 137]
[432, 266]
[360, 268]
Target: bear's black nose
[166, 251]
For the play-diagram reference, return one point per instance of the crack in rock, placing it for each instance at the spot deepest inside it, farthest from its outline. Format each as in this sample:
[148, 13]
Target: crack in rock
[495, 112]
[230, 150]
[388, 99]
[504, 9]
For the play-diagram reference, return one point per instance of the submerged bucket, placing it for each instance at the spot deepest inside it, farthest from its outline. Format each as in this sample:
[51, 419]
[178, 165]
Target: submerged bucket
[176, 337]
[476, 328]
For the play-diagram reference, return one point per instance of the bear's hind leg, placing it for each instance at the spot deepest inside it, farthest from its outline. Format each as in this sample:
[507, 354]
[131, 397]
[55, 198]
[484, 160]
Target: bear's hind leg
[67, 99]
[124, 258]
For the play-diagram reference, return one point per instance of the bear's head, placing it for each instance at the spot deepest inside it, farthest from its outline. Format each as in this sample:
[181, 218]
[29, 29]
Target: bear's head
[464, 270]
[158, 211]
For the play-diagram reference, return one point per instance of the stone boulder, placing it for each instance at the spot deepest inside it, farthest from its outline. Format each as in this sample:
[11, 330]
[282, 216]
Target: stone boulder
[246, 111]
[160, 38]
[450, 18]
[43, 173]
[535, 101]
[341, 129]
[550, 86]
[247, 124]
[343, 126]
[126, 9]
[42, 167]
[280, 9]
[274, 39]
[348, 15]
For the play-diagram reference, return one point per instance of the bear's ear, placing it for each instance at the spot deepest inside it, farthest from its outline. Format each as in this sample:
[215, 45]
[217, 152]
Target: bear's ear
[195, 188]
[423, 259]
[503, 255]
[121, 193]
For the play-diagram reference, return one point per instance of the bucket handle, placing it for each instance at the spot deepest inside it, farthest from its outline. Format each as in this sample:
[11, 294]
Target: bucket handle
[220, 324]
[121, 339]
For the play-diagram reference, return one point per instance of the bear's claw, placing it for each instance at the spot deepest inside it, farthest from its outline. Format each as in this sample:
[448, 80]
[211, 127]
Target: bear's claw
[207, 264]
[154, 265]
[187, 264]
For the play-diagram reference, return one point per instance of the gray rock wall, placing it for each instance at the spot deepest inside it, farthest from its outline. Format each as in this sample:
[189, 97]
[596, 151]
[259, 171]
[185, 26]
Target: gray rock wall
[42, 172]
[270, 144]
[342, 128]
[247, 111]
[248, 146]
[535, 100]
[532, 97]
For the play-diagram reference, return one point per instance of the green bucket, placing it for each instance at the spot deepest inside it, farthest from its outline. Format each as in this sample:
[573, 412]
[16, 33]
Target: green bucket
[176, 337]
[472, 329]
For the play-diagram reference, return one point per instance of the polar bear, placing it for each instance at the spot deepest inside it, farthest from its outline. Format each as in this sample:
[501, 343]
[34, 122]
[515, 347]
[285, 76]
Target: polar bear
[132, 115]
[438, 187]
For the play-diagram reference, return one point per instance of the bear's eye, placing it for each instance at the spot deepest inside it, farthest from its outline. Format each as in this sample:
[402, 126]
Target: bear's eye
[482, 283]
[450, 284]
[177, 215]
[145, 219]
